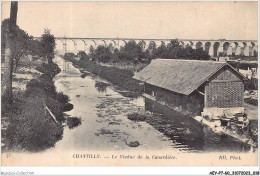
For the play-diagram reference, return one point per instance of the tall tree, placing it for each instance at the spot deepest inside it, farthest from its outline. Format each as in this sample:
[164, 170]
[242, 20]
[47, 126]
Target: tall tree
[22, 44]
[48, 45]
[8, 55]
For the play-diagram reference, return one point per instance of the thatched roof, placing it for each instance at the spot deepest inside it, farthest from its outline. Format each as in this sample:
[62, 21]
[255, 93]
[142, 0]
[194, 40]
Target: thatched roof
[181, 76]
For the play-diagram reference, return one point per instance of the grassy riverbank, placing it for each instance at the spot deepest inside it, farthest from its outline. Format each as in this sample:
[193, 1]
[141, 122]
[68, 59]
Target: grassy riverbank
[26, 123]
[119, 77]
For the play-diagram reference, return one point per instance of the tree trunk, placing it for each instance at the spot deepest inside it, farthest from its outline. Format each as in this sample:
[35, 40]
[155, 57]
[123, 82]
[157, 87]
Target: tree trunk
[7, 77]
[9, 51]
[13, 12]
[16, 63]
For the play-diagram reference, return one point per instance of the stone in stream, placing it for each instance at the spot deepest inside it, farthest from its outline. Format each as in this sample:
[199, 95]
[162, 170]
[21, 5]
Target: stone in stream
[67, 107]
[133, 144]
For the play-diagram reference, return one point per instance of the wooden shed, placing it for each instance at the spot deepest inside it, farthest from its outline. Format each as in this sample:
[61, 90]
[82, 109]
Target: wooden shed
[207, 87]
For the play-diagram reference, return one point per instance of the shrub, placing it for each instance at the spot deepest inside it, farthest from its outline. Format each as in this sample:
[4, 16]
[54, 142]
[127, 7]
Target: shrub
[73, 122]
[249, 85]
[49, 69]
[44, 82]
[36, 92]
[68, 56]
[56, 108]
[62, 98]
[67, 107]
[251, 101]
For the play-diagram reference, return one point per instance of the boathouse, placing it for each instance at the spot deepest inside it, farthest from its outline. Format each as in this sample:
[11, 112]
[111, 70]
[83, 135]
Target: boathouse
[200, 87]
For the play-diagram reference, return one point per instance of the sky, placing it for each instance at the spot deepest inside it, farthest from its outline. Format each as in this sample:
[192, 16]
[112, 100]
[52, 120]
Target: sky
[165, 20]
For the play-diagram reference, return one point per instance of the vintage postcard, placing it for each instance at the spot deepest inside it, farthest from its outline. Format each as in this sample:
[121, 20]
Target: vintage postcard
[129, 83]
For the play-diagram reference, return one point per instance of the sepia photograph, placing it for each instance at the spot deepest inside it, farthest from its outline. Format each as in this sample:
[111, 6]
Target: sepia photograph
[92, 83]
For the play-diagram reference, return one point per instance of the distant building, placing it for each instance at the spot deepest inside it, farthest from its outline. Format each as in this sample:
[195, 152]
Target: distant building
[195, 86]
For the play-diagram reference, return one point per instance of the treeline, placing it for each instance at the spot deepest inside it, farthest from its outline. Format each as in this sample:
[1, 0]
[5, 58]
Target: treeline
[25, 44]
[135, 52]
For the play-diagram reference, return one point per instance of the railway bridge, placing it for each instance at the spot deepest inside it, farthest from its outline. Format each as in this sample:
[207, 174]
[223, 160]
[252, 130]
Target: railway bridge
[212, 47]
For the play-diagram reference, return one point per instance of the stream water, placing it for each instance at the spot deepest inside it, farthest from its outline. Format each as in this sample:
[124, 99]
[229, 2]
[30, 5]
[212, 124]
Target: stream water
[105, 125]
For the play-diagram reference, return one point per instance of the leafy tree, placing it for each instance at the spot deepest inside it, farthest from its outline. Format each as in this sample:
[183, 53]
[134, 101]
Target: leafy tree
[255, 53]
[151, 50]
[91, 52]
[111, 47]
[174, 49]
[48, 45]
[36, 48]
[22, 46]
[102, 54]
[200, 54]
[135, 53]
[83, 56]
[116, 55]
[160, 51]
[131, 51]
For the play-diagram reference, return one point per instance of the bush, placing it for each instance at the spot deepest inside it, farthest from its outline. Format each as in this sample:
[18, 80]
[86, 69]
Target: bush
[68, 56]
[42, 83]
[251, 101]
[67, 107]
[62, 98]
[56, 108]
[249, 85]
[73, 122]
[49, 69]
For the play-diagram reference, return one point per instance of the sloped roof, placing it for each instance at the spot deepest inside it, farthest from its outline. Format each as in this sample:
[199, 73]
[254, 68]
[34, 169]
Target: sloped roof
[181, 76]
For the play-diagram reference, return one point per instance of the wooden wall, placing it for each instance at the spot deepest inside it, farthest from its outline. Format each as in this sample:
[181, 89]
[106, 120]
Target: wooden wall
[193, 103]
[224, 90]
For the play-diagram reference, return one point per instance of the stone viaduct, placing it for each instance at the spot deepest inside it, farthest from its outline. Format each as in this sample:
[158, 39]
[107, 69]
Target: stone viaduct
[212, 47]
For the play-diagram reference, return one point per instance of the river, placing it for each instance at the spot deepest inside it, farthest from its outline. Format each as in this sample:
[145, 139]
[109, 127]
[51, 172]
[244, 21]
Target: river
[105, 125]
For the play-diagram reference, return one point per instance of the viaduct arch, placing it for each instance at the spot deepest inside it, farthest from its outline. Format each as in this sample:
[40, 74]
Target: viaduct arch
[213, 47]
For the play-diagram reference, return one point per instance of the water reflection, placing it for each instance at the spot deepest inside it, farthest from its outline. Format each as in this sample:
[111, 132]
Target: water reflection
[187, 133]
